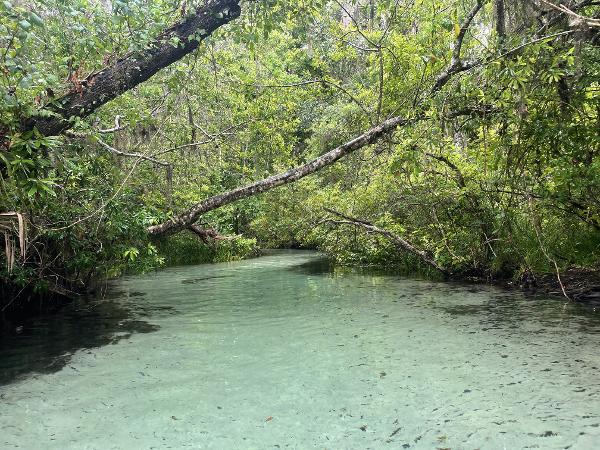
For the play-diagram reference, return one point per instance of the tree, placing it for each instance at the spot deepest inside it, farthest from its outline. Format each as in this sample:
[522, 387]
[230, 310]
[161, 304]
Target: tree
[462, 144]
[98, 88]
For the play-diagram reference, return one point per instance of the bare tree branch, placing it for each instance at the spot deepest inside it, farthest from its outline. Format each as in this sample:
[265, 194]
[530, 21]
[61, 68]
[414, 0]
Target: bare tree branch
[131, 155]
[317, 81]
[208, 235]
[588, 21]
[117, 126]
[456, 63]
[398, 241]
[460, 179]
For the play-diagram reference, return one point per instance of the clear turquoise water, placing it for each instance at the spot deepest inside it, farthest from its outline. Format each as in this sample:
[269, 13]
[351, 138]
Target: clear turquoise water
[277, 352]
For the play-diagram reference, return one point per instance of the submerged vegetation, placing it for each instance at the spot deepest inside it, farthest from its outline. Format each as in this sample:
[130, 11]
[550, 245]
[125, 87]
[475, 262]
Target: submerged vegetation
[460, 136]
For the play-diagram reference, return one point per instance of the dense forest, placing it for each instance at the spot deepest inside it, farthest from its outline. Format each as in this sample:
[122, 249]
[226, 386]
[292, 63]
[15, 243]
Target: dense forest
[454, 137]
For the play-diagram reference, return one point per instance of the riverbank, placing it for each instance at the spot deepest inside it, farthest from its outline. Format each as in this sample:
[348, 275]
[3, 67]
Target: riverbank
[580, 285]
[21, 300]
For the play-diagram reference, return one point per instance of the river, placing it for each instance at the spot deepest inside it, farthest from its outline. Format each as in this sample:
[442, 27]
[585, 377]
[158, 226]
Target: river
[284, 352]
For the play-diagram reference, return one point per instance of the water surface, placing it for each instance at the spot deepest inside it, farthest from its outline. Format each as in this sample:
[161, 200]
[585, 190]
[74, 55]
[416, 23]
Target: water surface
[280, 352]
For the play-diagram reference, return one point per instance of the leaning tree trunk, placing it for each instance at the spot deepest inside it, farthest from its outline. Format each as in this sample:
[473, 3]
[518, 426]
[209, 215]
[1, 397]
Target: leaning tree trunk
[190, 216]
[500, 14]
[136, 67]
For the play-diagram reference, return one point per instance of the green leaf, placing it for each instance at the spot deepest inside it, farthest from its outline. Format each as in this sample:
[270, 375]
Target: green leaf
[37, 20]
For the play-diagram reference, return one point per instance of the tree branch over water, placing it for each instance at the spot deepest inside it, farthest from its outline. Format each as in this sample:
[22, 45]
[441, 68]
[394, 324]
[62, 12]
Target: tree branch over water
[185, 219]
[86, 96]
[397, 240]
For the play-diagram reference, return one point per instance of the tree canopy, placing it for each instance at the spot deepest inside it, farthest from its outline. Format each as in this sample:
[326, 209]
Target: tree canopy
[458, 135]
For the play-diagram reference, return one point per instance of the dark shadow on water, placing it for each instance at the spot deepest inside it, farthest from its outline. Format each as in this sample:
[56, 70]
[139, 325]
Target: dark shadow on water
[201, 279]
[509, 310]
[323, 266]
[317, 266]
[45, 344]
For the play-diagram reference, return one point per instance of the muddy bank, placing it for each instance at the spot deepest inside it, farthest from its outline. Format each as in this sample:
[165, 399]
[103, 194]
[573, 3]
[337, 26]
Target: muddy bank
[581, 285]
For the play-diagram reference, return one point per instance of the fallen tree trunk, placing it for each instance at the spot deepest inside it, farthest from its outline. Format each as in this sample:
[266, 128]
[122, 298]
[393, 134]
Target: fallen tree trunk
[187, 218]
[134, 68]
[397, 240]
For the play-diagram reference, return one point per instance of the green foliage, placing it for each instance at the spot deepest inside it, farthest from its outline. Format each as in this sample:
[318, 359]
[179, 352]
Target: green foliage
[188, 249]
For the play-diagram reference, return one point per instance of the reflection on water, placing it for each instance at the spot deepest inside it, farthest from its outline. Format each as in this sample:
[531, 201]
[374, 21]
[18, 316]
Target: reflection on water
[284, 352]
[201, 279]
[45, 344]
[316, 266]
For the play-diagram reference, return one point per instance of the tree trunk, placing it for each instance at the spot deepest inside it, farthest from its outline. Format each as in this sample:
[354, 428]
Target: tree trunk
[500, 22]
[190, 216]
[134, 68]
